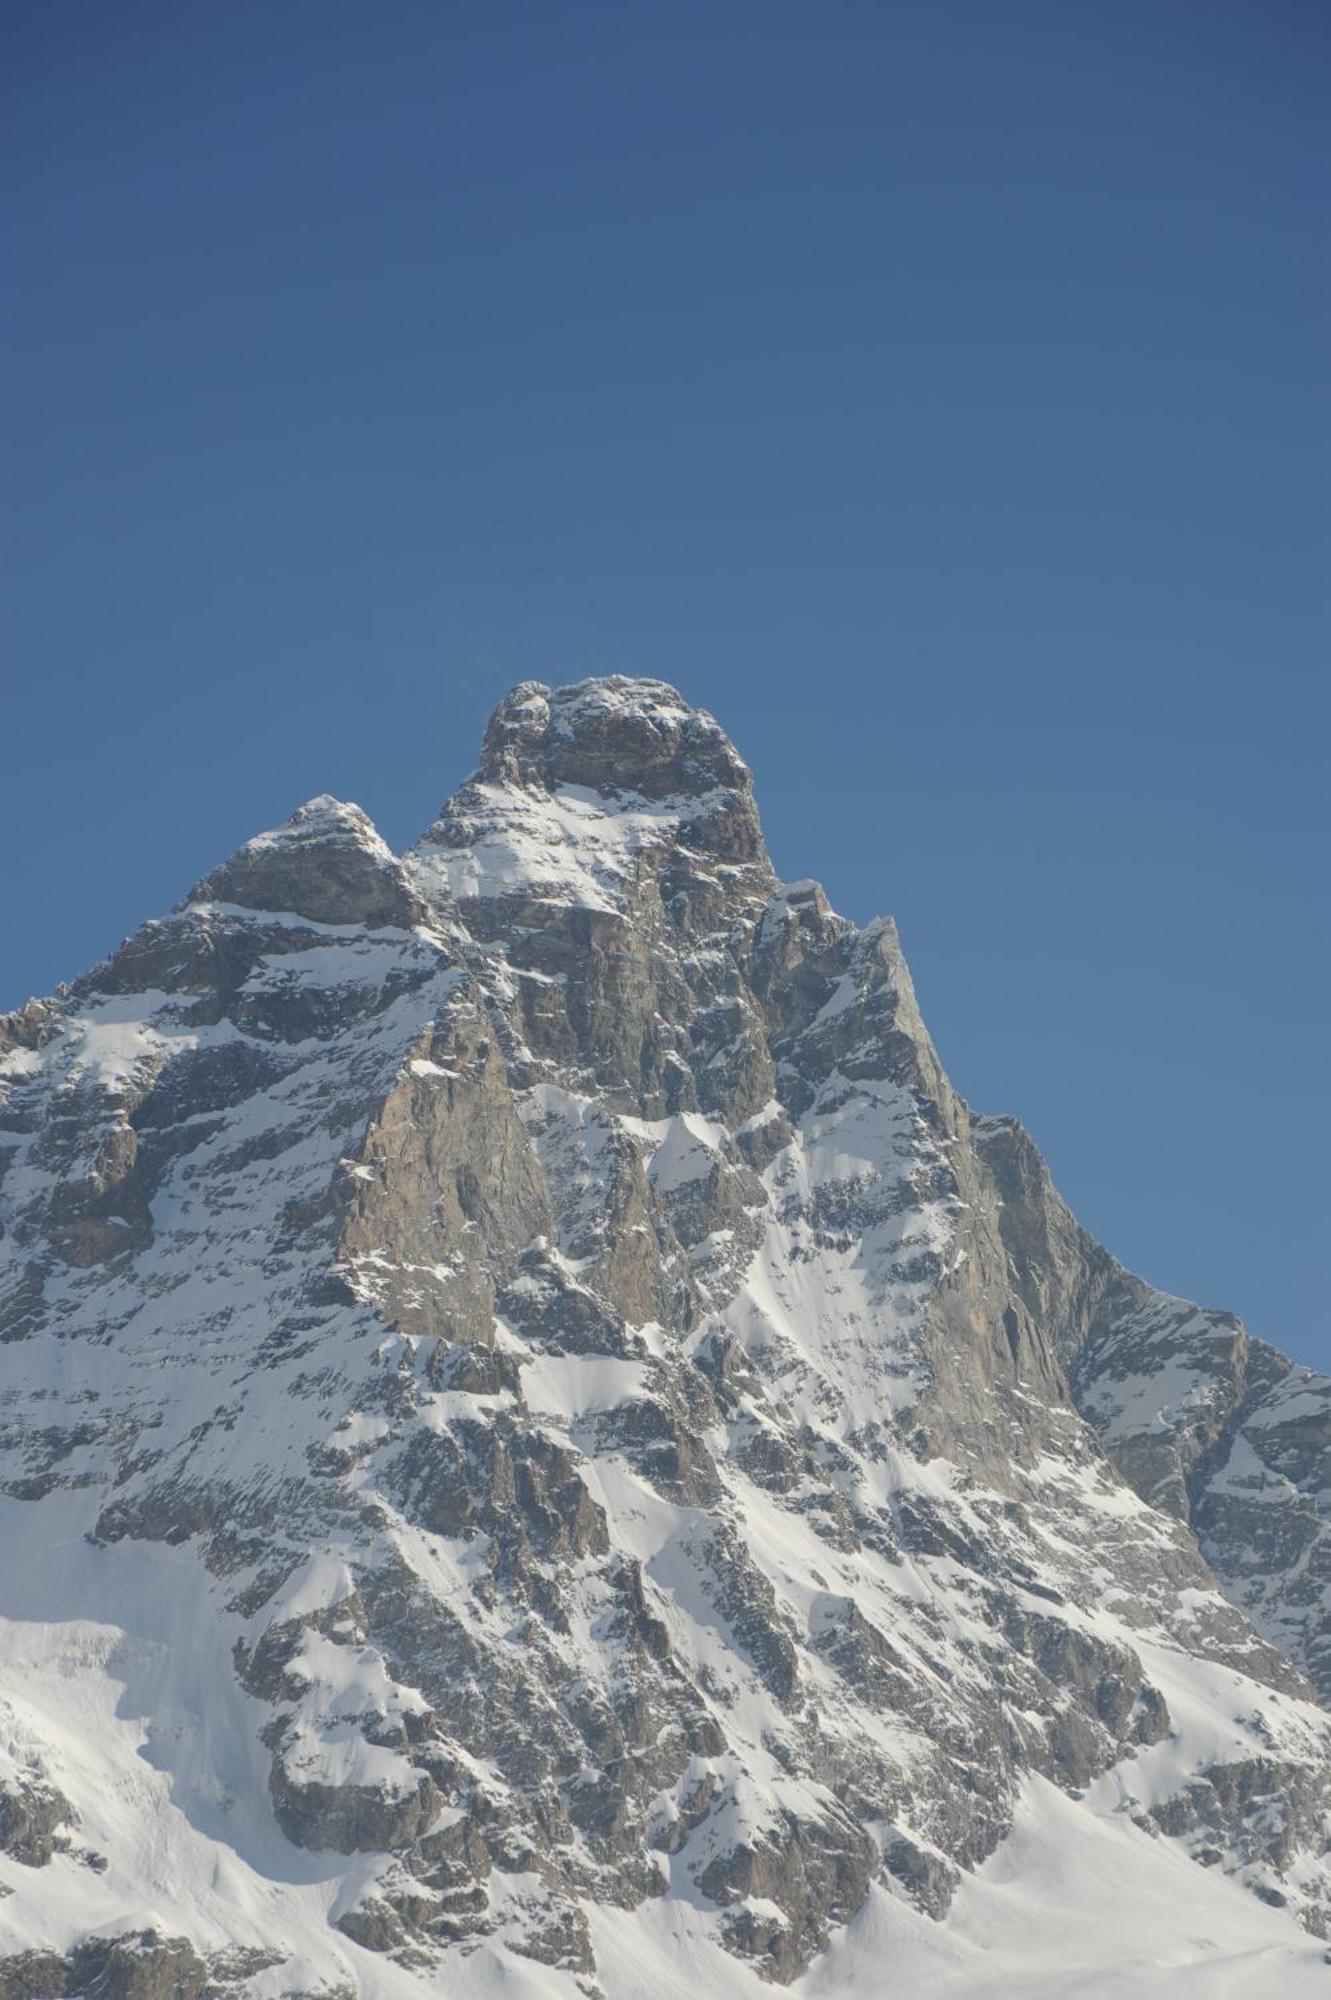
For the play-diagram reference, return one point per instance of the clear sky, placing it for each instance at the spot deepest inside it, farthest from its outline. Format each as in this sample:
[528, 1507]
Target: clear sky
[937, 392]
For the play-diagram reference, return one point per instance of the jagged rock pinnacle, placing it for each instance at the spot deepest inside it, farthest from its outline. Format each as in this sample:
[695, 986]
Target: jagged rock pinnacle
[581, 787]
[327, 863]
[616, 735]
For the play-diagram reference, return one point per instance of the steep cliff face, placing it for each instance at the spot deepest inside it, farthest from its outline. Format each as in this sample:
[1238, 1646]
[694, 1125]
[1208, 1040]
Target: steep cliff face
[1203, 1421]
[544, 1444]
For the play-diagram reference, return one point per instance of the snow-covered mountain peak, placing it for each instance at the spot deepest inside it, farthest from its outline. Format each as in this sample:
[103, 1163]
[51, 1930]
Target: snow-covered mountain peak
[615, 734]
[544, 1450]
[582, 788]
[327, 863]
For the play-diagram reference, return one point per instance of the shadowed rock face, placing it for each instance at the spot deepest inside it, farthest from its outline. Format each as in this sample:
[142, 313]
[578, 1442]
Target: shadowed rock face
[34, 1819]
[1204, 1422]
[618, 737]
[138, 1965]
[628, 1429]
[327, 863]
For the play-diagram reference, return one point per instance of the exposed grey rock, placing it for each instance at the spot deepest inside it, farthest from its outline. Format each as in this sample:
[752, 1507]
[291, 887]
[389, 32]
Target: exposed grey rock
[33, 1817]
[1205, 1422]
[350, 1819]
[445, 1192]
[140, 1965]
[816, 1869]
[327, 863]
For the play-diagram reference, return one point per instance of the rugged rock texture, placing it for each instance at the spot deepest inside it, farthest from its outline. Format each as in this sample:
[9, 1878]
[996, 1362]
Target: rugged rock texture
[136, 1966]
[34, 1817]
[1205, 1422]
[527, 1384]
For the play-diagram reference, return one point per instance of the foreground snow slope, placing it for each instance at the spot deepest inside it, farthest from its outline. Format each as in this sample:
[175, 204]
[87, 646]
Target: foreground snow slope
[546, 1451]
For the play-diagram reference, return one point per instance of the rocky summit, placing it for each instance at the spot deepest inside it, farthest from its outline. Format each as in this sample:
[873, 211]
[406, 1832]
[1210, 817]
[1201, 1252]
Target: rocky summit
[545, 1451]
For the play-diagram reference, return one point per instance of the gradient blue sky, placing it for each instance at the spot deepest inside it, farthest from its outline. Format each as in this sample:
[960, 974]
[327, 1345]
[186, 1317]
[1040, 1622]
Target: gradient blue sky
[936, 392]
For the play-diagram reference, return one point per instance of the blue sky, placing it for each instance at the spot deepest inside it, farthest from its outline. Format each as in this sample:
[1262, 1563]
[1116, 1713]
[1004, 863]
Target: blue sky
[936, 392]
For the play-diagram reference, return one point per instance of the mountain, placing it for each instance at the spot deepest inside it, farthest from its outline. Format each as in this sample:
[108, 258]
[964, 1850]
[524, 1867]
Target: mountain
[546, 1451]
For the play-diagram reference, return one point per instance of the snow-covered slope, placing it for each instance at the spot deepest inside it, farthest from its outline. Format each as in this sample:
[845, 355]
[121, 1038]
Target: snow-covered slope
[546, 1451]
